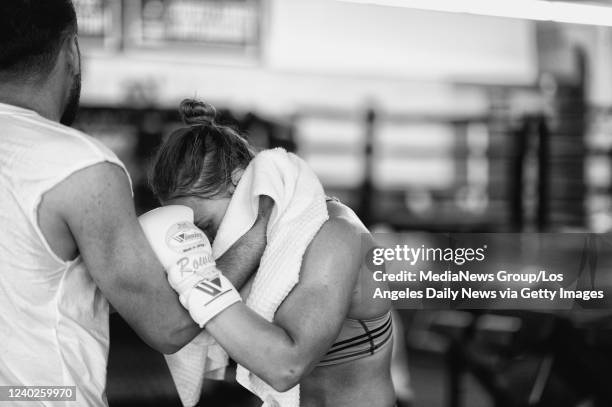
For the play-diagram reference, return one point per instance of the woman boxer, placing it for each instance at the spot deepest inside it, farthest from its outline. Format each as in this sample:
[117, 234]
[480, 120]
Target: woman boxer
[327, 335]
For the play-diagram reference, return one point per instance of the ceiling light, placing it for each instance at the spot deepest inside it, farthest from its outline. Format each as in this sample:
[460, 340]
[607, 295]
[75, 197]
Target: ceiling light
[539, 10]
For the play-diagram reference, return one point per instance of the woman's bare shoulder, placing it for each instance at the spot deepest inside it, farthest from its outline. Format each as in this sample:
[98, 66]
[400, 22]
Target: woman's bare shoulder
[343, 219]
[343, 234]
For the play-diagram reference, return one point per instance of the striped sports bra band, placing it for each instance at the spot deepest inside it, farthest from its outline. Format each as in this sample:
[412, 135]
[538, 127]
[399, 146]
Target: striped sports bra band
[375, 334]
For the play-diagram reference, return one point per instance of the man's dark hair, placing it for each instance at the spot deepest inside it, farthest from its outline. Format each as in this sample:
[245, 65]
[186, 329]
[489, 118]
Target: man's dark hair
[32, 33]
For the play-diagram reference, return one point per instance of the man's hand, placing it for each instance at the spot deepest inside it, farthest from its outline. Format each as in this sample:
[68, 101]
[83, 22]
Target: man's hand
[241, 260]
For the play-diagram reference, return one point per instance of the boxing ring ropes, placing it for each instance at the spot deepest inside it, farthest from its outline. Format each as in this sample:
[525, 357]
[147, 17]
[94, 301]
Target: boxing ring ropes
[532, 131]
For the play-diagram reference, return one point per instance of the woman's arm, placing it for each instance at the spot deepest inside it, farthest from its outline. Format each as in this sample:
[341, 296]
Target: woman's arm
[307, 322]
[241, 260]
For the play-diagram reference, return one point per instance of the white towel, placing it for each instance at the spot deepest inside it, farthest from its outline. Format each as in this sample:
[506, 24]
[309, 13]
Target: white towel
[299, 212]
[199, 359]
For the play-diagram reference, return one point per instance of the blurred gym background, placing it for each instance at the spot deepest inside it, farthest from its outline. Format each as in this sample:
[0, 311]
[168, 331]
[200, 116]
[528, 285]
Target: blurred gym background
[421, 116]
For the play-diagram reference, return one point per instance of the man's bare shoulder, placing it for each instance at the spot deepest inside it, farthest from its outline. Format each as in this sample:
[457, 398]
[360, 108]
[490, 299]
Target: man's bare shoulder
[80, 200]
[102, 182]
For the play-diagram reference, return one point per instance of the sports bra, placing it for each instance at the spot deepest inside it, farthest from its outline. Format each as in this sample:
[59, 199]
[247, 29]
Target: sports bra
[359, 338]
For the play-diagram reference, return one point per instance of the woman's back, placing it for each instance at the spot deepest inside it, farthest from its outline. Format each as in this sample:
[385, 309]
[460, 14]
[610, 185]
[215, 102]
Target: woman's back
[358, 373]
[363, 305]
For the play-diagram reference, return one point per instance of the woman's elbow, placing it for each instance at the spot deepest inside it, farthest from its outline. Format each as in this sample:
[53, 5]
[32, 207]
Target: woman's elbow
[286, 377]
[284, 384]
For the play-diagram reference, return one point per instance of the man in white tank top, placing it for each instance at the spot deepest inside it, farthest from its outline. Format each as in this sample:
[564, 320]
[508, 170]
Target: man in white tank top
[70, 239]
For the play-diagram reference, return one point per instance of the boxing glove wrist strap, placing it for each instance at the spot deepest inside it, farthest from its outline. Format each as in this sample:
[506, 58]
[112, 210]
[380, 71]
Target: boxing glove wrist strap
[208, 298]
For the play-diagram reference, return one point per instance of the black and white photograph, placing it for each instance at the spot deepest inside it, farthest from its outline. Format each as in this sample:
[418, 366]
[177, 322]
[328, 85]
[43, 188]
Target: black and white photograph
[306, 203]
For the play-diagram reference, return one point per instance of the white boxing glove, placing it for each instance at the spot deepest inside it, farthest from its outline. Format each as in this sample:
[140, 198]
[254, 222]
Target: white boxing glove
[185, 253]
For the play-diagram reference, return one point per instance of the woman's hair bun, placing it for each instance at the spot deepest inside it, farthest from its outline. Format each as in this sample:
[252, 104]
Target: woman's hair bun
[194, 111]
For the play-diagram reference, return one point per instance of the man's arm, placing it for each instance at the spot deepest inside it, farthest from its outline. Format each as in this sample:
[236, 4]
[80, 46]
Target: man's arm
[96, 204]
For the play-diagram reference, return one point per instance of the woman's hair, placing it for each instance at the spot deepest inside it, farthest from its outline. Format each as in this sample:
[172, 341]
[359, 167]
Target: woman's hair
[198, 160]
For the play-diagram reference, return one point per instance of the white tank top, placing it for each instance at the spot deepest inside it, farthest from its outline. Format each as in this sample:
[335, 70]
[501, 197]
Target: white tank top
[53, 319]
